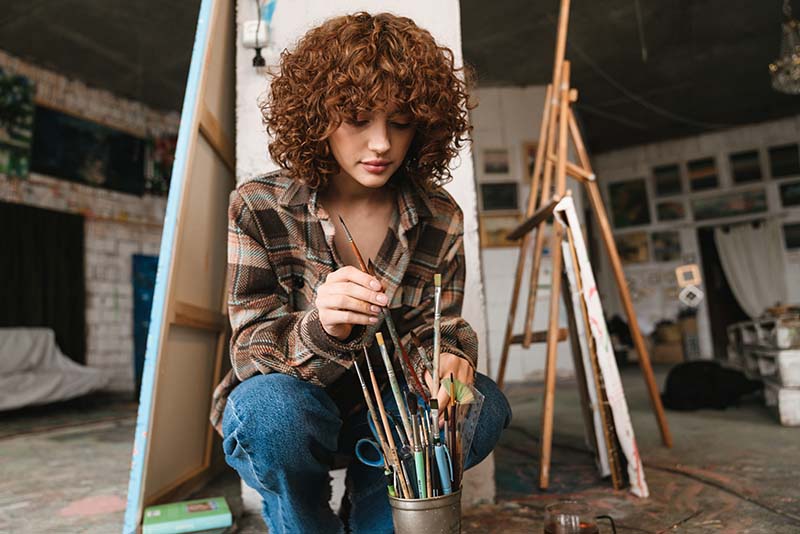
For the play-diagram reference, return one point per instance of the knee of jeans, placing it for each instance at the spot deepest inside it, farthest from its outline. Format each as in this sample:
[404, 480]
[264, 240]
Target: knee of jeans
[496, 412]
[274, 415]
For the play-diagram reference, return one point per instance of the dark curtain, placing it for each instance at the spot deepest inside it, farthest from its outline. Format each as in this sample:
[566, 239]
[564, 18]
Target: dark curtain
[41, 274]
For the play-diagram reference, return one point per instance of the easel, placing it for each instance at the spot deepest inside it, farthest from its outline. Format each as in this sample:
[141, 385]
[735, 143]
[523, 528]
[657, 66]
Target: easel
[551, 158]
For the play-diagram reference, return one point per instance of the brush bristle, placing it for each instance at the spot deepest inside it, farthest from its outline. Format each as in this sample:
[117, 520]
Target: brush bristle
[437, 279]
[379, 338]
[411, 400]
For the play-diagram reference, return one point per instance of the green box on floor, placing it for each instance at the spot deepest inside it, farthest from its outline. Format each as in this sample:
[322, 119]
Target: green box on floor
[200, 515]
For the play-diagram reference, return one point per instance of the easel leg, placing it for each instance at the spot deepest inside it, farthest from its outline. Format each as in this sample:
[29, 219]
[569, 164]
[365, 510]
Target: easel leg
[551, 362]
[512, 312]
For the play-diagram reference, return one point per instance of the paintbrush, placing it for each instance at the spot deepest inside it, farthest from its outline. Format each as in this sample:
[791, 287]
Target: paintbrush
[371, 410]
[437, 316]
[419, 457]
[398, 398]
[422, 354]
[385, 313]
[405, 490]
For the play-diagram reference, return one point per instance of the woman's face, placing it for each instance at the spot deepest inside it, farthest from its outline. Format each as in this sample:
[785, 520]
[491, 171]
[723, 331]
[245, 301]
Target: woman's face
[371, 147]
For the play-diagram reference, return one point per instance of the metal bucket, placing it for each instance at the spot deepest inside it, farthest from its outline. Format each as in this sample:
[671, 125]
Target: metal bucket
[437, 515]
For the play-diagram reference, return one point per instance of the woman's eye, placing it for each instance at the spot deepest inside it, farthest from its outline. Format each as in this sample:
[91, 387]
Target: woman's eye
[355, 122]
[401, 125]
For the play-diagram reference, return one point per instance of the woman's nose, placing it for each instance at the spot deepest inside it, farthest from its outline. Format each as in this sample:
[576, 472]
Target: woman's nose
[379, 137]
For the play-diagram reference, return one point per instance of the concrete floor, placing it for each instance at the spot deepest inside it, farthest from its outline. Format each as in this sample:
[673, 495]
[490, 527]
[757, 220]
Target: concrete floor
[64, 469]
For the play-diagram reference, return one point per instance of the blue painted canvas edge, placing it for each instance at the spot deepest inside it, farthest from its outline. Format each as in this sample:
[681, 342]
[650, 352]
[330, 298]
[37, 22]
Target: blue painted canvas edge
[134, 504]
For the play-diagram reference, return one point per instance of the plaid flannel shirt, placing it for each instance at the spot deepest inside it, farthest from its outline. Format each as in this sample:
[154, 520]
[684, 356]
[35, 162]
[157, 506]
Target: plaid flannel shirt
[280, 249]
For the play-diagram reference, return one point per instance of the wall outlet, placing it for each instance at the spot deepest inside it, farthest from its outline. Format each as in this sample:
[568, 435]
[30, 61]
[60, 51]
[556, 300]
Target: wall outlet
[249, 34]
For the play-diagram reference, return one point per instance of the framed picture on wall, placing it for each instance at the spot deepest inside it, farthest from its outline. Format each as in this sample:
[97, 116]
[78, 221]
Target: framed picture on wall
[784, 161]
[791, 236]
[629, 206]
[633, 247]
[495, 161]
[702, 174]
[729, 205]
[745, 167]
[528, 158]
[668, 180]
[499, 196]
[670, 210]
[790, 194]
[494, 229]
[666, 246]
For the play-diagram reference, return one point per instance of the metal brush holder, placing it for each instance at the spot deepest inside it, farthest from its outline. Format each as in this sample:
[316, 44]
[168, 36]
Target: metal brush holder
[437, 515]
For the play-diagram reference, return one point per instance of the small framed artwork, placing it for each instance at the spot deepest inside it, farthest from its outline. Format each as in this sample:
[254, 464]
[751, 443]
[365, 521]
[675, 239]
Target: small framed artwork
[629, 205]
[668, 180]
[495, 161]
[745, 167]
[790, 194]
[702, 174]
[791, 236]
[666, 246]
[529, 149]
[495, 228]
[670, 210]
[729, 205]
[633, 247]
[688, 275]
[500, 196]
[784, 161]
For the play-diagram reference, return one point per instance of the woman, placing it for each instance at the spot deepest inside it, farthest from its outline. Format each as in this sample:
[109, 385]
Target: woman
[366, 114]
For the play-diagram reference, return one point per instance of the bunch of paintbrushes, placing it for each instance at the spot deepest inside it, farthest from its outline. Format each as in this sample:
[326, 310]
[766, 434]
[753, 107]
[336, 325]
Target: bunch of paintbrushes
[425, 460]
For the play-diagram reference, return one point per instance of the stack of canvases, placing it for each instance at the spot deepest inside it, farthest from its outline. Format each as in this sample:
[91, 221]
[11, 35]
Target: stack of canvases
[768, 349]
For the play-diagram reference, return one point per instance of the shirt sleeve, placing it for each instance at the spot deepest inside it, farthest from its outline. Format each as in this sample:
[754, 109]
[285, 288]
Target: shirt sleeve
[267, 335]
[457, 336]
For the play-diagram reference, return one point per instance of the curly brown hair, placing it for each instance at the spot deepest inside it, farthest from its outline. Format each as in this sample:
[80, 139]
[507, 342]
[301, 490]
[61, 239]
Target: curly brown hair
[351, 64]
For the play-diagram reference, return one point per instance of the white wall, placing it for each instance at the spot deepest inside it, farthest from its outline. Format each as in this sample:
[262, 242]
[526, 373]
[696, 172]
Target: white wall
[507, 118]
[290, 21]
[117, 225]
[654, 301]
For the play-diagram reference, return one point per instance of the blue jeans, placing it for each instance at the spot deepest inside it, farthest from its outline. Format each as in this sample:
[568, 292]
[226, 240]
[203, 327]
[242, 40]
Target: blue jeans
[282, 434]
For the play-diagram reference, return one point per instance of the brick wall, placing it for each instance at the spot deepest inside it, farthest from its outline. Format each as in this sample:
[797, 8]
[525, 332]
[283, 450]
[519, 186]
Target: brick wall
[117, 225]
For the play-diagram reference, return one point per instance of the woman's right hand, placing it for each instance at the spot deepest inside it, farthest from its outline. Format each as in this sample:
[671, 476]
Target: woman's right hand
[349, 297]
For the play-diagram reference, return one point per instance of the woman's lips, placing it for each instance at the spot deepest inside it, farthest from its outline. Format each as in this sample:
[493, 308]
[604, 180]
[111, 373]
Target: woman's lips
[375, 168]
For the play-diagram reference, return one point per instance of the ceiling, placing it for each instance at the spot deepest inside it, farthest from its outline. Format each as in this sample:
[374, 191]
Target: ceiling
[705, 69]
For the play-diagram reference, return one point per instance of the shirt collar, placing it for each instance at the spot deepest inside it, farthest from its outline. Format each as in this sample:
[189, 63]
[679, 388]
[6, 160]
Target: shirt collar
[412, 201]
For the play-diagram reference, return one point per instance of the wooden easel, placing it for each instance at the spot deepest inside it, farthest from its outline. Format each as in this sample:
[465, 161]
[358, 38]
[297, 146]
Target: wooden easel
[551, 158]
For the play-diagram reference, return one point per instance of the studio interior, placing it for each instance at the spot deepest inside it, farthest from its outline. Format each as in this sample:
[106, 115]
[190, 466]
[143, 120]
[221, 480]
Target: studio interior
[630, 195]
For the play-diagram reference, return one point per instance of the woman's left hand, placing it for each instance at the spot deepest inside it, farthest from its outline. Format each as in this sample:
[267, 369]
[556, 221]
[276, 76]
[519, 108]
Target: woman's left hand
[461, 370]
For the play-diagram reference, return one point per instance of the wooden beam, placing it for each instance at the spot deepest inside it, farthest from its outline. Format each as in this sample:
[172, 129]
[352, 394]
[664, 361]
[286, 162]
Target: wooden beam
[537, 218]
[212, 131]
[539, 337]
[185, 314]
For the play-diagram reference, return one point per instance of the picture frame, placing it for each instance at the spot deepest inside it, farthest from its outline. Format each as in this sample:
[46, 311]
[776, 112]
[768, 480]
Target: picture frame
[784, 161]
[633, 247]
[790, 194]
[670, 210]
[495, 161]
[629, 204]
[745, 167]
[499, 196]
[667, 180]
[494, 229]
[666, 246]
[729, 205]
[791, 236]
[702, 174]
[688, 275]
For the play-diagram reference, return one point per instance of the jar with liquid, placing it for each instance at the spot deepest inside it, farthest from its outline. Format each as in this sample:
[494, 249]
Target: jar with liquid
[573, 517]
